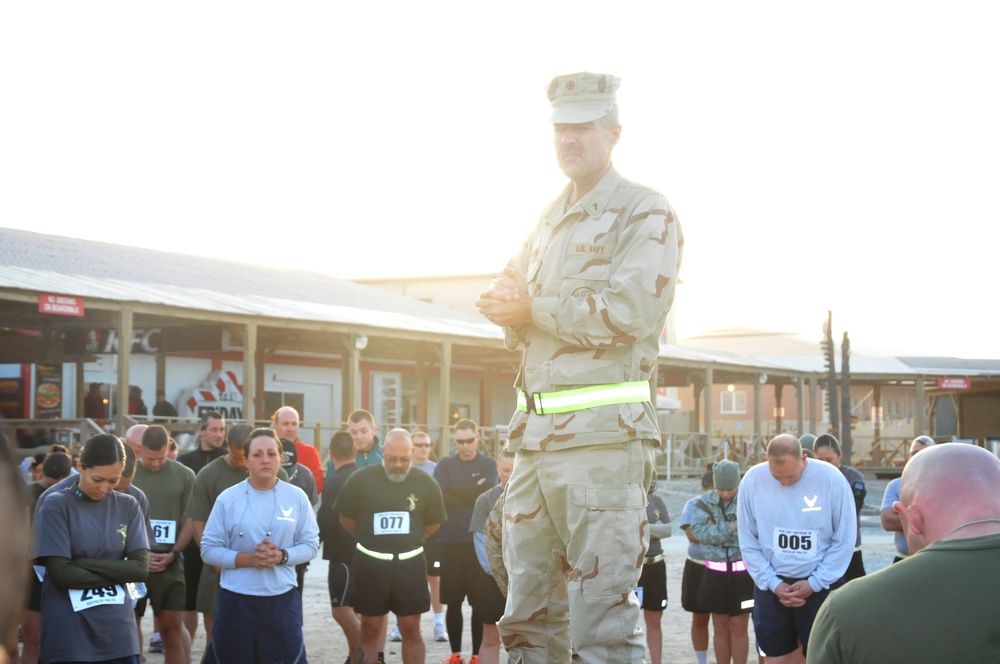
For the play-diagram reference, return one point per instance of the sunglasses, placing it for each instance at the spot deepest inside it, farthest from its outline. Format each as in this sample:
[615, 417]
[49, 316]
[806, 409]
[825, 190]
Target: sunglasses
[421, 444]
[466, 441]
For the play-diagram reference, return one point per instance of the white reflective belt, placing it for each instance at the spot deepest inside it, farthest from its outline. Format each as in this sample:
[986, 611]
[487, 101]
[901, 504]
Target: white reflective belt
[406, 555]
[567, 401]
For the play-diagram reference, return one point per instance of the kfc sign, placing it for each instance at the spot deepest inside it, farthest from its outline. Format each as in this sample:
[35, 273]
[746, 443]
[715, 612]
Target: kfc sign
[96, 341]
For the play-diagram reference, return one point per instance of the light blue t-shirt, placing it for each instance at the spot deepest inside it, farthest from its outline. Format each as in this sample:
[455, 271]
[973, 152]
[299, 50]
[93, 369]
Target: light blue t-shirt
[694, 550]
[242, 517]
[890, 496]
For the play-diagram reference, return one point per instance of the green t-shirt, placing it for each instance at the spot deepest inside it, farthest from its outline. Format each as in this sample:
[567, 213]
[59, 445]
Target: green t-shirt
[938, 605]
[391, 516]
[168, 490]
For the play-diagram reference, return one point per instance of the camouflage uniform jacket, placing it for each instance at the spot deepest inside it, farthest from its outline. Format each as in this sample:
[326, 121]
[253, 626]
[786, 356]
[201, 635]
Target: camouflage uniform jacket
[602, 276]
[711, 524]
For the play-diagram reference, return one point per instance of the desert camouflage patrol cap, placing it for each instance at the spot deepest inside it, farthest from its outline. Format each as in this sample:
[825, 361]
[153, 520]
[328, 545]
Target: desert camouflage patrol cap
[582, 97]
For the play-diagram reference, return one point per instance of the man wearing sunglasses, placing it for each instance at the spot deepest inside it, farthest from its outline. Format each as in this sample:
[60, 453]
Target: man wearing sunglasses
[463, 476]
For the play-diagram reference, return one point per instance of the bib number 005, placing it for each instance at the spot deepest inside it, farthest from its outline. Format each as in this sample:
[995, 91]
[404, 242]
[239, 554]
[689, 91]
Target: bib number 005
[799, 543]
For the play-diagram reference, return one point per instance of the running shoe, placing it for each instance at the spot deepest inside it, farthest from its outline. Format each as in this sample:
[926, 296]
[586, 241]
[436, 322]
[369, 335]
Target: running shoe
[454, 659]
[156, 644]
[439, 634]
[381, 658]
[395, 635]
[474, 659]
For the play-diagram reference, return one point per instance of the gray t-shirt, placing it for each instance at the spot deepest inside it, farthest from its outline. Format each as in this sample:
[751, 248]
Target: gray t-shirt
[803, 530]
[70, 525]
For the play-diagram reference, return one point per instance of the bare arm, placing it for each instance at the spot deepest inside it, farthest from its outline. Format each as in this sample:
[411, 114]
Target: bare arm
[890, 520]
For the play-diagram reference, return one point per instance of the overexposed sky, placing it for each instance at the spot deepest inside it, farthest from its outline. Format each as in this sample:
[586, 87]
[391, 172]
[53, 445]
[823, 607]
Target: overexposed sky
[820, 156]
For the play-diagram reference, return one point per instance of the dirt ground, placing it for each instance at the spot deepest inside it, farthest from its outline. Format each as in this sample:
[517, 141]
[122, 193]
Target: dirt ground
[325, 642]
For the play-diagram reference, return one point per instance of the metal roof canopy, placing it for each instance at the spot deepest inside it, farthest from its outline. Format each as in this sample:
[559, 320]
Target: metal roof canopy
[266, 309]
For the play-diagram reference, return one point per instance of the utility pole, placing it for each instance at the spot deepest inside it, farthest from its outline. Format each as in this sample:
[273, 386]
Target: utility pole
[831, 375]
[845, 398]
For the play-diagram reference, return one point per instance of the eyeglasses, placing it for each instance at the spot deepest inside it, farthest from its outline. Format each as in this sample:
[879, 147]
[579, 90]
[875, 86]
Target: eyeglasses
[467, 441]
[421, 444]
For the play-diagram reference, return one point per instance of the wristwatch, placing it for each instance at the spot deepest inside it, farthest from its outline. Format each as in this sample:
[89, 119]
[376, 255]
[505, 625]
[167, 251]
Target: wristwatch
[284, 557]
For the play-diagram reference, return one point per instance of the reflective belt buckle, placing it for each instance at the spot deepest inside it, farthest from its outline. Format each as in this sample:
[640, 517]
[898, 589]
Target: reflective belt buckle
[529, 403]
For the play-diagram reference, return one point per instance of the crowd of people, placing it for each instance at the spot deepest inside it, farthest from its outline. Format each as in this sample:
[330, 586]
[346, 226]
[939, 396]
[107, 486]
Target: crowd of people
[776, 545]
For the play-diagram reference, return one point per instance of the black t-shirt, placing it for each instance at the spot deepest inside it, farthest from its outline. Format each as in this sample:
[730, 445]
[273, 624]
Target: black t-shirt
[338, 544]
[391, 515]
[199, 458]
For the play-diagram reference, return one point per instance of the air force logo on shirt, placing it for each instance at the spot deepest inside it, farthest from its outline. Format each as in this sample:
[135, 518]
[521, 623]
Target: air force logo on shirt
[286, 515]
[811, 504]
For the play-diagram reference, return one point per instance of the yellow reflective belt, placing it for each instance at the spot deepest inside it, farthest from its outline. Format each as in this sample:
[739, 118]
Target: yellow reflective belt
[406, 555]
[411, 554]
[567, 401]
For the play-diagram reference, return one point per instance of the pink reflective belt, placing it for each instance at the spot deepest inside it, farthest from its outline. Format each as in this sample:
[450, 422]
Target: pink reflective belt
[737, 566]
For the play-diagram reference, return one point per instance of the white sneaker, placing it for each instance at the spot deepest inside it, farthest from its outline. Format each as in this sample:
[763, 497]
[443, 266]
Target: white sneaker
[439, 634]
[395, 635]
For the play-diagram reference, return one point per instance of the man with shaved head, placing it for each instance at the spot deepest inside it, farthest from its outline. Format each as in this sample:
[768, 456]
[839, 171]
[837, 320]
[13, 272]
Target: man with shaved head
[286, 425]
[133, 436]
[938, 605]
[797, 530]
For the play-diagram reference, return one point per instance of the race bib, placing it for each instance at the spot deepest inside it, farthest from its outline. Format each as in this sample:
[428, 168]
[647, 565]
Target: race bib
[164, 530]
[392, 523]
[799, 543]
[91, 597]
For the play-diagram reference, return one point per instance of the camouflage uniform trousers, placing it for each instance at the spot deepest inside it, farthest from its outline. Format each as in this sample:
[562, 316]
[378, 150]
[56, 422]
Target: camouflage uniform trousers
[573, 543]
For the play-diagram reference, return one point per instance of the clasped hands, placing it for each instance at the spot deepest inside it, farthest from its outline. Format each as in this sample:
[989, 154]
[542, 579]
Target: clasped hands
[795, 594]
[505, 301]
[266, 554]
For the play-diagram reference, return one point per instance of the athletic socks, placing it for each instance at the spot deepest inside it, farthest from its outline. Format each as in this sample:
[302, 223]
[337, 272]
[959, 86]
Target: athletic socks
[701, 656]
[439, 618]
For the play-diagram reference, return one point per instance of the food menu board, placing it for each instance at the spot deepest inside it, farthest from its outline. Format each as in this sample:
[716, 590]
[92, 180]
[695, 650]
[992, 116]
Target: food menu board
[386, 398]
[48, 391]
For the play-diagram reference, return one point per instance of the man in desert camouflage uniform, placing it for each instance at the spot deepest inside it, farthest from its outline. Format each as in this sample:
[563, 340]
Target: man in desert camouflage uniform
[586, 298]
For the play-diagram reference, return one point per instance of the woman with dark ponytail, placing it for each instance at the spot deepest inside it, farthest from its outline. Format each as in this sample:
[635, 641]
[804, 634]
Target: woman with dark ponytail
[91, 543]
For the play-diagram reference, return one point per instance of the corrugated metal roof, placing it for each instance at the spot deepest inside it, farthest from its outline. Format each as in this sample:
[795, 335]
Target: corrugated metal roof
[34, 262]
[952, 366]
[726, 360]
[860, 364]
